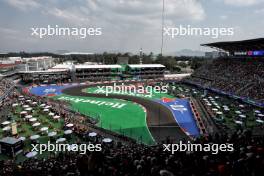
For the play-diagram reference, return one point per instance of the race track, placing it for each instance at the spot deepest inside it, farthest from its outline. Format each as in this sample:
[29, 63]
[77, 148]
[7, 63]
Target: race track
[160, 120]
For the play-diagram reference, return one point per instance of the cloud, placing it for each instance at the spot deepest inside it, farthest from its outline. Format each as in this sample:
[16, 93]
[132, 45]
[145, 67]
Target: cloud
[16, 35]
[71, 16]
[259, 11]
[129, 12]
[23, 5]
[8, 30]
[223, 17]
[243, 2]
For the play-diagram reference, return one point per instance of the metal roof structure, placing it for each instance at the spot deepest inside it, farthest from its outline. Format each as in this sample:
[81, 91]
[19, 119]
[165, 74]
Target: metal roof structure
[96, 66]
[49, 71]
[146, 66]
[243, 45]
[62, 66]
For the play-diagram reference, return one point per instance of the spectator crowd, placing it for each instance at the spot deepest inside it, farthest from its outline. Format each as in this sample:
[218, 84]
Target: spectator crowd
[117, 159]
[242, 77]
[5, 85]
[126, 158]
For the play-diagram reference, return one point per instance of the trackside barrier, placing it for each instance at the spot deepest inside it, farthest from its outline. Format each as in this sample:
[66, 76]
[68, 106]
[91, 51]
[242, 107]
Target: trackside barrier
[198, 119]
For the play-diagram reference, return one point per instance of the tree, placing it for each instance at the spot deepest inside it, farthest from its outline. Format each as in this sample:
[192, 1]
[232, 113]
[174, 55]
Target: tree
[182, 64]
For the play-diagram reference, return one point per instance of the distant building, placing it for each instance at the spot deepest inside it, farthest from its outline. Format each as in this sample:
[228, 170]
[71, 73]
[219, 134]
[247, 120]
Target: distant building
[92, 72]
[9, 65]
[145, 71]
[97, 72]
[38, 63]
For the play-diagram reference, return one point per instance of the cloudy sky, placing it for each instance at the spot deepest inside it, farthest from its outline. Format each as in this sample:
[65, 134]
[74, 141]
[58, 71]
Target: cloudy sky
[127, 25]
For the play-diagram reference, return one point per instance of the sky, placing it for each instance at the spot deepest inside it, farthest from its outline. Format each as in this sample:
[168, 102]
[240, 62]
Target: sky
[126, 25]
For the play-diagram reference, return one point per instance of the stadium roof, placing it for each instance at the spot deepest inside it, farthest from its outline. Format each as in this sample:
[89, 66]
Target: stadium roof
[96, 66]
[85, 66]
[146, 66]
[243, 45]
[49, 71]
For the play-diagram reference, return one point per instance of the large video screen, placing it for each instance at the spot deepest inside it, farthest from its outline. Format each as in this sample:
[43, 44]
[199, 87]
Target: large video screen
[250, 53]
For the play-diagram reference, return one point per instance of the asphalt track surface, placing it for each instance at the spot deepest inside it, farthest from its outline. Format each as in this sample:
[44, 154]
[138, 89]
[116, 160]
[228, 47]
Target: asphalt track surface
[160, 119]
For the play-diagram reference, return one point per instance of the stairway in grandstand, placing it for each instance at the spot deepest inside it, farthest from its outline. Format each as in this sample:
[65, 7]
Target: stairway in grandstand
[245, 88]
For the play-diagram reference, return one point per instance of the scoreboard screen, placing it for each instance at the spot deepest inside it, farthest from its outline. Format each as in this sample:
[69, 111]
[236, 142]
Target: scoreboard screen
[250, 53]
[258, 53]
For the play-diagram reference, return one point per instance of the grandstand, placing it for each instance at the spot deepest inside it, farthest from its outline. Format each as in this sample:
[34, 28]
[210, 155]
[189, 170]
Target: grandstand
[38, 63]
[97, 72]
[9, 66]
[85, 72]
[45, 76]
[240, 75]
[145, 71]
[93, 72]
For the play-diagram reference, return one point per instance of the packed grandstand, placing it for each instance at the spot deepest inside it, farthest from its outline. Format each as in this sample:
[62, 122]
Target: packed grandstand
[241, 74]
[220, 103]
